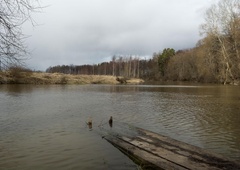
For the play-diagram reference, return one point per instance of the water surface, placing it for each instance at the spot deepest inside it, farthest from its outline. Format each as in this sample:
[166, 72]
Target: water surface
[43, 127]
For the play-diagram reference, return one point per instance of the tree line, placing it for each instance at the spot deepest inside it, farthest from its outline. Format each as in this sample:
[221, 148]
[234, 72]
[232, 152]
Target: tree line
[125, 66]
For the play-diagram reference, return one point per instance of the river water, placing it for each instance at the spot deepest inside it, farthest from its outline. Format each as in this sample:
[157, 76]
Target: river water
[44, 127]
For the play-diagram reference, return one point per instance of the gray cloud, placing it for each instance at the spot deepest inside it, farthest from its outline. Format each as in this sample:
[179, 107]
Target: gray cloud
[91, 31]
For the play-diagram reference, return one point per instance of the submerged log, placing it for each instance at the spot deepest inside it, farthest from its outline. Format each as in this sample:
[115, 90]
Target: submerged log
[161, 152]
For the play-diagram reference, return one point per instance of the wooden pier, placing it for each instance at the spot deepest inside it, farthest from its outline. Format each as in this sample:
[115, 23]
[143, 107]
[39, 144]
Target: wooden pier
[155, 151]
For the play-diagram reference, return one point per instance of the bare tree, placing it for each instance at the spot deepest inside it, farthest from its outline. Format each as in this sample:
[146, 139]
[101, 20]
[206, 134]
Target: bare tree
[113, 65]
[13, 13]
[222, 23]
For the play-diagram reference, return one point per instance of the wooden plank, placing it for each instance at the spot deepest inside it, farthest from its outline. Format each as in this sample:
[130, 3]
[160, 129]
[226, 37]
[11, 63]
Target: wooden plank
[147, 159]
[165, 152]
[178, 159]
[194, 153]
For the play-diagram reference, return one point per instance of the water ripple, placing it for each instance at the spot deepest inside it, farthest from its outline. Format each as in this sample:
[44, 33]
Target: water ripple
[45, 128]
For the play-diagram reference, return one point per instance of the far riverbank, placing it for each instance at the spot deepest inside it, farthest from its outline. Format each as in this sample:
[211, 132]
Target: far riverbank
[59, 78]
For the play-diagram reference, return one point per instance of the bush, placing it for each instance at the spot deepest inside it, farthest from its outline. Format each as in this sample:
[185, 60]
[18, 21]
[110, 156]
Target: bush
[63, 80]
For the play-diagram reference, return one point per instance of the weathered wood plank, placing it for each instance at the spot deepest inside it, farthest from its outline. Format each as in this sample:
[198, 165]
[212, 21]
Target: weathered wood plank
[178, 159]
[165, 152]
[194, 153]
[147, 158]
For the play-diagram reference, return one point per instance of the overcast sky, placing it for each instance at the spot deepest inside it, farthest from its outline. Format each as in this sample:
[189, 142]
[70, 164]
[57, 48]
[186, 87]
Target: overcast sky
[92, 31]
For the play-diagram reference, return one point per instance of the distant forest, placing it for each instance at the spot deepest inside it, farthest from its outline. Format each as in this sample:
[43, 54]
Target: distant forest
[214, 59]
[124, 66]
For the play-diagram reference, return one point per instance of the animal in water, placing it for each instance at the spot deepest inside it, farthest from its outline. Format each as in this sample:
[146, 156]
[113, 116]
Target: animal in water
[89, 123]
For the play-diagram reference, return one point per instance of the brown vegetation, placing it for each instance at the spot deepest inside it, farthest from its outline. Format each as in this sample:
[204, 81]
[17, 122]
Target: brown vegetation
[22, 77]
[216, 58]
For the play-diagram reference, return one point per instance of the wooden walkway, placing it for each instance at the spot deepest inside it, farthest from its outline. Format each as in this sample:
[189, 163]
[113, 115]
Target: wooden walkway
[155, 151]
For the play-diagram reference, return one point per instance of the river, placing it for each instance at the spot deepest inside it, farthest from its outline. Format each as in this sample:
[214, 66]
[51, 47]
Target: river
[44, 126]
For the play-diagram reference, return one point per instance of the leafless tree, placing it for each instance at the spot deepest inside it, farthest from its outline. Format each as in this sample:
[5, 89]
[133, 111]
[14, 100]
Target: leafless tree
[113, 65]
[222, 24]
[13, 13]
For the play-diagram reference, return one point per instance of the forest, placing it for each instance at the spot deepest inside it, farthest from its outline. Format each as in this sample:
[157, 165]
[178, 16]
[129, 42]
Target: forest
[214, 59]
[124, 66]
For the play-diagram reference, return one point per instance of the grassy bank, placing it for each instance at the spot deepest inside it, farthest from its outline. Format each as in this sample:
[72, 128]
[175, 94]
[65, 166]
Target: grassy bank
[57, 78]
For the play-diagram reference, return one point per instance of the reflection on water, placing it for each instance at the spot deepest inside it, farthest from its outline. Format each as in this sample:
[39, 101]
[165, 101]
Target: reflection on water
[44, 127]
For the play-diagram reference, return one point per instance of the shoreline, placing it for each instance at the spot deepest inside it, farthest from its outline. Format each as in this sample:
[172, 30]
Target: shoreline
[59, 78]
[42, 78]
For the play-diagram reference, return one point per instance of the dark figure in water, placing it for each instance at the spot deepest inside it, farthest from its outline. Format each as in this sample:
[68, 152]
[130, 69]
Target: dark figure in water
[89, 123]
[110, 121]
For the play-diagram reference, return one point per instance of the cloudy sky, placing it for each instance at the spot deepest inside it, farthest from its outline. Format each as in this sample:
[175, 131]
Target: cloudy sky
[92, 31]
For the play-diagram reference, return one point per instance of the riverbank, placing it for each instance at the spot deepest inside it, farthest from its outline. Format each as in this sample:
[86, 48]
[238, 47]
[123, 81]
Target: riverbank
[58, 78]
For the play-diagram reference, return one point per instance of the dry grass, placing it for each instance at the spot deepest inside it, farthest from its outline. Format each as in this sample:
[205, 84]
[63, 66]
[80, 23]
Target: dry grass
[135, 81]
[58, 78]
